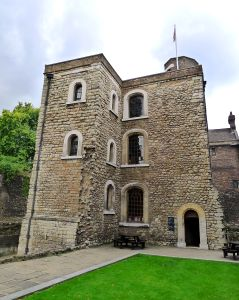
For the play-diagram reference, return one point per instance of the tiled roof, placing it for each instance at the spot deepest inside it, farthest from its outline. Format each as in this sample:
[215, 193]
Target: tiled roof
[223, 135]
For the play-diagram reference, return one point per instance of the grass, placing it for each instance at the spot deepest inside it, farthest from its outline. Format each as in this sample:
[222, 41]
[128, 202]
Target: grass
[151, 277]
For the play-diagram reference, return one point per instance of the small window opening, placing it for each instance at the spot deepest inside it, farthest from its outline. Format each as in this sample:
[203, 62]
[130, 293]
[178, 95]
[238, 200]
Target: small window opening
[235, 184]
[113, 102]
[73, 145]
[111, 157]
[135, 106]
[109, 197]
[212, 151]
[136, 149]
[78, 92]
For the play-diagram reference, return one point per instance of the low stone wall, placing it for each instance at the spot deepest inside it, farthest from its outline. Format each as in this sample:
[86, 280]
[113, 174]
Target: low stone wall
[9, 236]
[12, 210]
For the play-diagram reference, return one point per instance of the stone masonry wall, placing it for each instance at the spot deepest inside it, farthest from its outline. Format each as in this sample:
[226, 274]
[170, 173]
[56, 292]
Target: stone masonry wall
[225, 169]
[65, 190]
[69, 207]
[178, 171]
[108, 126]
[12, 210]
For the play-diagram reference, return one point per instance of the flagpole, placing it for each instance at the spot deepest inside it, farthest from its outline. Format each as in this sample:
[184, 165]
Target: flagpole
[176, 47]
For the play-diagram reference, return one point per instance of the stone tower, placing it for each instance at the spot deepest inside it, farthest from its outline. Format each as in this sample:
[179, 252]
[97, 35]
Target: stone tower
[129, 156]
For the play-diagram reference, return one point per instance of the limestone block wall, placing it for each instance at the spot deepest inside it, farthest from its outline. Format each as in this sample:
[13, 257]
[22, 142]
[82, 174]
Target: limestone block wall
[108, 126]
[65, 187]
[179, 170]
[70, 193]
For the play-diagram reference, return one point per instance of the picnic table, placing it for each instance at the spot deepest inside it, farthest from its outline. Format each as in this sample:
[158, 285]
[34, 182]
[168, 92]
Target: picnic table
[132, 241]
[231, 247]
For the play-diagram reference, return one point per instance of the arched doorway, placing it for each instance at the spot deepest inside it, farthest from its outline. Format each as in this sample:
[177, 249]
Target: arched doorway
[191, 223]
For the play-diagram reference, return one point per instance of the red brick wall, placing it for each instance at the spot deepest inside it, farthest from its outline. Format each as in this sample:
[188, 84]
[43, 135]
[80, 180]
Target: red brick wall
[225, 166]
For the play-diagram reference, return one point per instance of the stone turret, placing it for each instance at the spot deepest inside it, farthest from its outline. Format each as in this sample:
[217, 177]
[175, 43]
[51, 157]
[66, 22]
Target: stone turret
[184, 62]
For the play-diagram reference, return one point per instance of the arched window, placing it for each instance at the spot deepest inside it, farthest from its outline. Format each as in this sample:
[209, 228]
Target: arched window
[135, 148]
[109, 197]
[72, 146]
[135, 105]
[111, 152]
[77, 91]
[114, 102]
[135, 205]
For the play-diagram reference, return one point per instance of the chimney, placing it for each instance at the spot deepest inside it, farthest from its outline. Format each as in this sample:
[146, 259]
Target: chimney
[231, 121]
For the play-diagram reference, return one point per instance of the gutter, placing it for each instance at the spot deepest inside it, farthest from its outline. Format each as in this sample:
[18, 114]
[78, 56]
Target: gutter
[49, 77]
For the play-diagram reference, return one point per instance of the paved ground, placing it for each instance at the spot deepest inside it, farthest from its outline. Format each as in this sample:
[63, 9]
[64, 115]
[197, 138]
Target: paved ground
[18, 278]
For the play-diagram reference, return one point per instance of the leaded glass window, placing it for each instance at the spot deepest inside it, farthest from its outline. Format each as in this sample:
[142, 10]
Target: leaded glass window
[73, 145]
[78, 92]
[135, 205]
[136, 106]
[136, 149]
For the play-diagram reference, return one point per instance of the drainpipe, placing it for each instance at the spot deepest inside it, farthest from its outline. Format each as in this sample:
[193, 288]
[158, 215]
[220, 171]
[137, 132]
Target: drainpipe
[49, 78]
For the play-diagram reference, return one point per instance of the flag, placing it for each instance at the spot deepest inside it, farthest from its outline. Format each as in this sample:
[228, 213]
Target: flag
[174, 34]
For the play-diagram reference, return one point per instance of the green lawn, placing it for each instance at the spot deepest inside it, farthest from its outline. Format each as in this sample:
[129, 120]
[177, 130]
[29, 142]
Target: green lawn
[152, 277]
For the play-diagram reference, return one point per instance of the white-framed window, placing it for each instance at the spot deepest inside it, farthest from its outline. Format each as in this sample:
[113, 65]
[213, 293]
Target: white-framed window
[111, 152]
[72, 146]
[114, 102]
[109, 197]
[135, 105]
[134, 204]
[135, 148]
[77, 91]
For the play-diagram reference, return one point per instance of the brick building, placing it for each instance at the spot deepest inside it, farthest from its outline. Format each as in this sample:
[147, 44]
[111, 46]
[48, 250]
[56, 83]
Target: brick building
[224, 153]
[117, 155]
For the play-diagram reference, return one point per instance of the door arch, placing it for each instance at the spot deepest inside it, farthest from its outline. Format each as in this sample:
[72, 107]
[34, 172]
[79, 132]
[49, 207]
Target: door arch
[201, 223]
[191, 224]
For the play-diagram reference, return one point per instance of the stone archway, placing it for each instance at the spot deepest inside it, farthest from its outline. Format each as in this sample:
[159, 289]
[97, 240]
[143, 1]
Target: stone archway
[192, 232]
[182, 213]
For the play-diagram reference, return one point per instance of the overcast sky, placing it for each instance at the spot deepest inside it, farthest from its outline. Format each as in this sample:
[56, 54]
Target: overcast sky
[135, 36]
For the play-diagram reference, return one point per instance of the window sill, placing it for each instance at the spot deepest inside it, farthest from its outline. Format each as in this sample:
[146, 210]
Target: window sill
[135, 166]
[75, 102]
[109, 212]
[135, 118]
[114, 113]
[111, 164]
[70, 157]
[127, 224]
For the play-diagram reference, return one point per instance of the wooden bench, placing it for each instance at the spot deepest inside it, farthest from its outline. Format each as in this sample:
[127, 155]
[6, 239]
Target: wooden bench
[230, 248]
[129, 241]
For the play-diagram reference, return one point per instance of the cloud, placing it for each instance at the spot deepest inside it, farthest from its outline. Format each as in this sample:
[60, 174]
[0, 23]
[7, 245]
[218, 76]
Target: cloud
[21, 53]
[135, 36]
[35, 33]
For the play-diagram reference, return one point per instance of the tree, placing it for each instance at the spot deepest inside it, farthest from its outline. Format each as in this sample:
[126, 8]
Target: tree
[17, 139]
